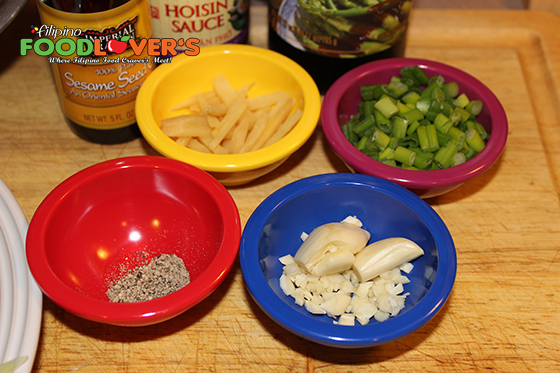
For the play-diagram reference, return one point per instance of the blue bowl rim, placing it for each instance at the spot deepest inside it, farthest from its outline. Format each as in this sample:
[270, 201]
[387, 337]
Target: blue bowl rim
[359, 336]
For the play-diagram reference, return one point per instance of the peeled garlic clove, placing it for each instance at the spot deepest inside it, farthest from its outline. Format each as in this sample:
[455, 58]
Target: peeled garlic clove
[381, 316]
[331, 263]
[287, 285]
[336, 305]
[382, 256]
[406, 267]
[314, 308]
[299, 297]
[292, 270]
[330, 238]
[346, 319]
[353, 220]
[286, 259]
[365, 313]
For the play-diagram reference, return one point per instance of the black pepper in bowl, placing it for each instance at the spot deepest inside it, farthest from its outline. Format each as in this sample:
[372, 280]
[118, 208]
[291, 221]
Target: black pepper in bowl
[164, 275]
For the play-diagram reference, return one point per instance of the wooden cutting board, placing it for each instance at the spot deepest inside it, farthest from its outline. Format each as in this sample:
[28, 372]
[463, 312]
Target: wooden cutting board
[503, 312]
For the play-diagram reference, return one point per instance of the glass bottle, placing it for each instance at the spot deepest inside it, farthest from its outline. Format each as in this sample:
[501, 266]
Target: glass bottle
[211, 21]
[98, 91]
[330, 37]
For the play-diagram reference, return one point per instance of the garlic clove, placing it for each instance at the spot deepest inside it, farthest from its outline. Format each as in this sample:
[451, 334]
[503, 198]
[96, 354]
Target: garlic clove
[384, 255]
[332, 263]
[329, 238]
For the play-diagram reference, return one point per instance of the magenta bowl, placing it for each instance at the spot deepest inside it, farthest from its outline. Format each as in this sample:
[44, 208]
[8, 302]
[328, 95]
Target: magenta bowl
[341, 102]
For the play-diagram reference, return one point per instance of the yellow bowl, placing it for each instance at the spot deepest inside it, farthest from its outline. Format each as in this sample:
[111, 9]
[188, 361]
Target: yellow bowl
[171, 83]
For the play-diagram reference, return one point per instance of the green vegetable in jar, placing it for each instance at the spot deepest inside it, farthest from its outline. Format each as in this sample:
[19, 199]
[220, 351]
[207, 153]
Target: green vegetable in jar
[417, 122]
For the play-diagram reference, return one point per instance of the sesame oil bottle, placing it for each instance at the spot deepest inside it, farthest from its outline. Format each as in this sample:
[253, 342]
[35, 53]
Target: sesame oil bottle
[98, 92]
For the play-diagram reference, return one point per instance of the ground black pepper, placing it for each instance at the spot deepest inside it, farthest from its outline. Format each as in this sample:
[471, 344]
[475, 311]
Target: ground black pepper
[162, 276]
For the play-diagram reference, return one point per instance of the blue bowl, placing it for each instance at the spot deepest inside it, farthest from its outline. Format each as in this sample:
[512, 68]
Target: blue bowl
[386, 210]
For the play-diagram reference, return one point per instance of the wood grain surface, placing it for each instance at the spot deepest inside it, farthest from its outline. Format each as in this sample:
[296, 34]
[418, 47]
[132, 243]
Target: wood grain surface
[547, 5]
[503, 313]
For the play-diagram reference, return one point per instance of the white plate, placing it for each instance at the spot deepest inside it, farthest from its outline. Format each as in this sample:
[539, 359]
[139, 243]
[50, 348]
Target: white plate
[6, 296]
[26, 299]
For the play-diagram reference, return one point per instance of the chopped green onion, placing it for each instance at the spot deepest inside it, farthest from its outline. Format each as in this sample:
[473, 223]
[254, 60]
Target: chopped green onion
[474, 140]
[388, 153]
[444, 155]
[409, 141]
[407, 167]
[366, 92]
[428, 91]
[436, 106]
[417, 122]
[432, 138]
[470, 152]
[474, 107]
[403, 108]
[442, 123]
[462, 100]
[361, 143]
[438, 95]
[411, 97]
[423, 104]
[437, 79]
[432, 115]
[397, 88]
[364, 125]
[416, 73]
[413, 115]
[389, 162]
[444, 139]
[382, 122]
[412, 127]
[458, 159]
[455, 118]
[404, 155]
[381, 139]
[400, 125]
[386, 107]
[465, 115]
[481, 130]
[451, 89]
[348, 130]
[393, 143]
[423, 138]
[458, 135]
[423, 159]
[368, 108]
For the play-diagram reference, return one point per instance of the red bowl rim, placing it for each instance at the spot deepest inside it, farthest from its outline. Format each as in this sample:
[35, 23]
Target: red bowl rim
[140, 313]
[413, 179]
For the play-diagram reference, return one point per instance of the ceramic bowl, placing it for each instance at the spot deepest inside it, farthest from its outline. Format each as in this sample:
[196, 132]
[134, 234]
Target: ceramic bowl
[106, 220]
[172, 83]
[386, 210]
[341, 102]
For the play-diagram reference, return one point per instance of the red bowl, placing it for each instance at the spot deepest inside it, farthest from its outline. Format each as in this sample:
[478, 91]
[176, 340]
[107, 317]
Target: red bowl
[111, 217]
[341, 102]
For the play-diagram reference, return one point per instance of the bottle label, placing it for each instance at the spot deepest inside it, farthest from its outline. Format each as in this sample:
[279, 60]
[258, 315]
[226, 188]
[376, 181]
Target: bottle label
[340, 28]
[211, 21]
[99, 90]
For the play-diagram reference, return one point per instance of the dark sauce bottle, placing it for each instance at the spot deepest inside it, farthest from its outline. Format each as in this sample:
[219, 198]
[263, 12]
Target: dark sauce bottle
[85, 6]
[98, 98]
[329, 44]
